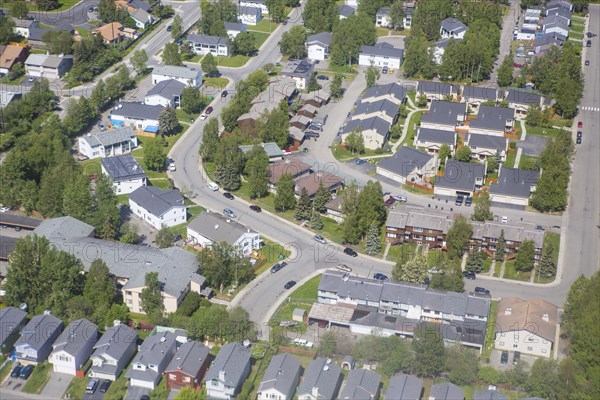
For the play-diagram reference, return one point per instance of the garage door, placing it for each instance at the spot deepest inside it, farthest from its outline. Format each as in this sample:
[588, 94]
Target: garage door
[64, 370]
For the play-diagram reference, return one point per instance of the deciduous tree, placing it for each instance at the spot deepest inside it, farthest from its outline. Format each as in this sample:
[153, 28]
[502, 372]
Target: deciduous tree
[176, 27]
[458, 237]
[210, 140]
[463, 154]
[482, 210]
[170, 55]
[444, 153]
[151, 297]
[505, 72]
[355, 142]
[164, 237]
[303, 206]
[154, 154]
[245, 44]
[429, 350]
[139, 60]
[414, 270]
[192, 101]
[257, 170]
[209, 64]
[336, 87]
[372, 75]
[168, 121]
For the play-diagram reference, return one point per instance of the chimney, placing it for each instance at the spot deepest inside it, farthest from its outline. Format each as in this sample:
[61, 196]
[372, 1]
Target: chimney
[116, 322]
[508, 311]
[216, 227]
[545, 317]
[221, 375]
[47, 312]
[315, 392]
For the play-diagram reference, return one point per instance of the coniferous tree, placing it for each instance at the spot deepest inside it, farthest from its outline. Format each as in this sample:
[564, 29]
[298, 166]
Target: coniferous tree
[547, 265]
[107, 218]
[257, 170]
[322, 197]
[284, 195]
[77, 198]
[475, 262]
[525, 256]
[303, 206]
[167, 121]
[373, 244]
[99, 286]
[151, 296]
[429, 350]
[482, 208]
[315, 220]
[500, 248]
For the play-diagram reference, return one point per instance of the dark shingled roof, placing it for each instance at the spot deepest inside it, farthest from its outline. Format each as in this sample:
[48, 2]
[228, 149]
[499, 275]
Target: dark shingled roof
[444, 112]
[436, 136]
[346, 11]
[156, 201]
[460, 175]
[138, 110]
[434, 87]
[479, 92]
[377, 124]
[394, 89]
[453, 25]
[405, 160]
[446, 391]
[523, 97]
[189, 359]
[404, 387]
[486, 141]
[515, 182]
[168, 89]
[382, 49]
[323, 38]
[325, 380]
[493, 118]
[122, 168]
[11, 319]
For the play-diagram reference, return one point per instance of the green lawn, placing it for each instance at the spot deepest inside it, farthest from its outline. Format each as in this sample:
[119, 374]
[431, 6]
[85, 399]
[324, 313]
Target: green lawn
[382, 31]
[272, 252]
[17, 81]
[260, 38]
[511, 156]
[265, 25]
[161, 183]
[490, 332]
[510, 272]
[234, 61]
[415, 120]
[84, 33]
[5, 371]
[434, 258]
[487, 263]
[528, 162]
[308, 291]
[76, 388]
[343, 154]
[38, 379]
[184, 117]
[160, 392]
[575, 35]
[331, 230]
[63, 5]
[539, 131]
[218, 83]
[402, 252]
[343, 69]
[117, 389]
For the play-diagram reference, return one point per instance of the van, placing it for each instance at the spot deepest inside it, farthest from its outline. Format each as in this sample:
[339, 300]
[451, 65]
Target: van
[213, 186]
[91, 386]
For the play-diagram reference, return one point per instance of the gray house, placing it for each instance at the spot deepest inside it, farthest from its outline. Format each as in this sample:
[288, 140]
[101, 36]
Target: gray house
[158, 207]
[374, 131]
[113, 352]
[362, 384]
[495, 121]
[489, 395]
[35, 344]
[155, 354]
[514, 186]
[446, 391]
[381, 55]
[460, 178]
[12, 321]
[433, 139]
[166, 93]
[444, 115]
[273, 151]
[125, 173]
[280, 379]
[475, 95]
[483, 146]
[321, 381]
[228, 371]
[434, 90]
[408, 165]
[73, 347]
[404, 387]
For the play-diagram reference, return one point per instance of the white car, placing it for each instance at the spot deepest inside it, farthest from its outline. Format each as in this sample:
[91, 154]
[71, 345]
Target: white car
[4, 209]
[203, 117]
[286, 153]
[344, 268]
[401, 199]
[172, 167]
[303, 342]
[320, 239]
[504, 219]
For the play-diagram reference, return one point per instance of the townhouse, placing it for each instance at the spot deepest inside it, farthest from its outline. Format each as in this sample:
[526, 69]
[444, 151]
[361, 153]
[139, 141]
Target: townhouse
[418, 227]
[460, 178]
[495, 121]
[113, 352]
[321, 381]
[485, 237]
[384, 109]
[293, 166]
[280, 379]
[408, 165]
[109, 143]
[514, 186]
[124, 172]
[374, 130]
[381, 55]
[158, 208]
[317, 46]
[311, 182]
[483, 146]
[48, 66]
[187, 76]
[433, 139]
[435, 90]
[521, 100]
[475, 95]
[444, 115]
[73, 347]
[393, 92]
[300, 71]
[188, 366]
[228, 371]
[556, 24]
[361, 384]
[155, 353]
[204, 44]
[140, 116]
[545, 42]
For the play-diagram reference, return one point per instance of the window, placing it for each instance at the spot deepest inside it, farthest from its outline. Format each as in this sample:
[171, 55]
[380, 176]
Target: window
[415, 229]
[64, 358]
[529, 348]
[501, 343]
[544, 351]
[515, 346]
[392, 235]
[173, 377]
[187, 379]
[544, 341]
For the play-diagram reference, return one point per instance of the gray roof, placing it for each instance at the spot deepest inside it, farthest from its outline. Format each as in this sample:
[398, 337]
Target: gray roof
[515, 182]
[479, 306]
[270, 148]
[383, 11]
[346, 11]
[11, 319]
[362, 384]
[15, 219]
[445, 112]
[552, 38]
[460, 175]
[446, 391]
[404, 387]
[298, 68]
[325, 380]
[207, 39]
[248, 10]
[122, 168]
[138, 110]
[36, 32]
[76, 337]
[377, 124]
[556, 21]
[383, 49]
[453, 25]
[394, 89]
[396, 219]
[155, 200]
[6, 97]
[235, 26]
[434, 87]
[190, 358]
[23, 23]
[153, 351]
[524, 97]
[558, 10]
[109, 138]
[140, 4]
[215, 226]
[115, 342]
[169, 89]
[140, 15]
[281, 374]
[323, 38]
[177, 72]
[405, 161]
[64, 228]
[479, 92]
[233, 358]
[382, 106]
[39, 331]
[486, 141]
[493, 118]
[436, 136]
[489, 395]
[7, 245]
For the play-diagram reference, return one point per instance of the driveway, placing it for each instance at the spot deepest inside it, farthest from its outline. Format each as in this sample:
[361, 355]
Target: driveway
[533, 145]
[57, 385]
[135, 392]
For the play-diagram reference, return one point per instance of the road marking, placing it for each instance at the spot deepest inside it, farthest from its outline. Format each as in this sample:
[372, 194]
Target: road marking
[586, 108]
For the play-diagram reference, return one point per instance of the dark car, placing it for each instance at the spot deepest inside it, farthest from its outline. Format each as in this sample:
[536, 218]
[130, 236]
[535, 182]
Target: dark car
[579, 134]
[177, 237]
[587, 62]
[578, 141]
[25, 372]
[169, 28]
[516, 357]
[468, 201]
[278, 266]
[588, 43]
[315, 127]
[469, 275]
[312, 134]
[504, 357]
[101, 127]
[323, 77]
[290, 284]
[459, 200]
[389, 202]
[224, 93]
[16, 371]
[381, 277]
[359, 161]
[144, 397]
[580, 124]
[384, 70]
[255, 208]
[350, 252]
[18, 228]
[228, 195]
[480, 290]
[104, 386]
[208, 110]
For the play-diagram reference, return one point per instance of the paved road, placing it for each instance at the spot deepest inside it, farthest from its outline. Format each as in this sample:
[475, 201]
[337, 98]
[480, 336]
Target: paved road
[75, 15]
[506, 36]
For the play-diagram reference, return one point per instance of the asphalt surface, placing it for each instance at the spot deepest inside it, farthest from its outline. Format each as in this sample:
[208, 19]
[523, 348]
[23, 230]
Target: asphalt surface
[506, 35]
[75, 15]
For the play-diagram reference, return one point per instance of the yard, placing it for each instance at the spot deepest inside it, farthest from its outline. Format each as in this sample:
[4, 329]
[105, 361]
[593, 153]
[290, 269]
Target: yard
[490, 333]
[272, 252]
[234, 61]
[76, 388]
[415, 120]
[528, 162]
[403, 252]
[342, 154]
[382, 31]
[550, 238]
[260, 38]
[511, 156]
[38, 379]
[218, 83]
[117, 389]
[539, 131]
[510, 272]
[303, 298]
[265, 26]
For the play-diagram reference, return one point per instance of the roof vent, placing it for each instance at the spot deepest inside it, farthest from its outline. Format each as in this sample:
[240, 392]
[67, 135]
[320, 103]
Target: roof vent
[228, 220]
[23, 306]
[545, 317]
[116, 322]
[163, 339]
[328, 361]
[216, 227]
[508, 311]
[47, 312]
[326, 368]
[148, 262]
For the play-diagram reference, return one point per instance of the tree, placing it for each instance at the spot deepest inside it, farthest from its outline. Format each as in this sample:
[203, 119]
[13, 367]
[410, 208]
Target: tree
[336, 87]
[537, 117]
[475, 262]
[458, 237]
[444, 153]
[355, 142]
[322, 197]
[151, 297]
[257, 170]
[170, 55]
[372, 75]
[164, 237]
[176, 27]
[222, 265]
[100, 287]
[77, 198]
[275, 127]
[348, 37]
[462, 364]
[371, 207]
[292, 43]
[303, 206]
[190, 304]
[269, 67]
[276, 10]
[78, 115]
[167, 121]
[320, 15]
[284, 195]
[7, 26]
[327, 344]
[139, 60]
[413, 271]
[418, 58]
[315, 221]
[229, 161]
[525, 256]
[58, 42]
[107, 217]
[567, 97]
[449, 279]
[312, 84]
[154, 154]
[482, 208]
[187, 393]
[130, 233]
[422, 100]
[18, 9]
[191, 100]
[397, 15]
[547, 265]
[209, 65]
[463, 154]
[16, 71]
[500, 247]
[505, 72]
[429, 350]
[210, 140]
[373, 244]
[245, 44]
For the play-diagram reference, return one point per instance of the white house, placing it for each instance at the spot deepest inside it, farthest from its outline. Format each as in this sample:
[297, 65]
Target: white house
[187, 76]
[374, 131]
[261, 4]
[124, 172]
[73, 347]
[155, 353]
[22, 26]
[452, 28]
[483, 146]
[159, 208]
[317, 46]
[235, 28]
[280, 379]
[381, 55]
[113, 352]
[382, 18]
[48, 66]
[166, 94]
[204, 44]
[408, 165]
[409, 9]
[139, 116]
[300, 71]
[109, 143]
[433, 139]
[228, 371]
[514, 186]
[249, 15]
[210, 227]
[352, 3]
[141, 17]
[345, 11]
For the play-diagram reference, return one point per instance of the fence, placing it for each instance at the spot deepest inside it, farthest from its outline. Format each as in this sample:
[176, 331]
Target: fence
[297, 351]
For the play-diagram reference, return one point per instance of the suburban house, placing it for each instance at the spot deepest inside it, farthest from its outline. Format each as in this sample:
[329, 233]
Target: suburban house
[475, 95]
[409, 9]
[124, 172]
[271, 149]
[109, 143]
[489, 394]
[36, 33]
[528, 326]
[521, 100]
[321, 381]
[204, 44]
[312, 182]
[299, 121]
[280, 379]
[434, 90]
[7, 97]
[533, 14]
[159, 208]
[408, 165]
[23, 26]
[495, 121]
[374, 131]
[188, 366]
[556, 24]
[300, 71]
[73, 347]
[404, 387]
[165, 94]
[139, 116]
[289, 165]
[384, 109]
[418, 227]
[433, 139]
[446, 391]
[553, 4]
[228, 371]
[514, 186]
[440, 48]
[176, 268]
[155, 353]
[543, 43]
[141, 17]
[381, 55]
[249, 15]
[361, 384]
[316, 98]
[261, 4]
[444, 115]
[114, 32]
[113, 352]
[187, 76]
[48, 66]
[460, 178]
[317, 46]
[11, 55]
[211, 227]
[382, 17]
[558, 9]
[483, 146]
[352, 3]
[12, 320]
[452, 28]
[393, 92]
[345, 11]
[35, 344]
[235, 28]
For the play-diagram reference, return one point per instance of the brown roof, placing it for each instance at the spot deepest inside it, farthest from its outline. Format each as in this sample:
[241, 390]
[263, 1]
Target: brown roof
[311, 182]
[110, 32]
[10, 55]
[537, 316]
[289, 165]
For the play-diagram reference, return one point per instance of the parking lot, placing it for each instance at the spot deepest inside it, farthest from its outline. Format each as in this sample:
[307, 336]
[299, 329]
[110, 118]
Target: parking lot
[533, 145]
[497, 354]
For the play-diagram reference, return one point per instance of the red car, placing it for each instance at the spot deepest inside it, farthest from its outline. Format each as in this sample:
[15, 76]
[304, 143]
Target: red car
[389, 202]
[208, 110]
[580, 124]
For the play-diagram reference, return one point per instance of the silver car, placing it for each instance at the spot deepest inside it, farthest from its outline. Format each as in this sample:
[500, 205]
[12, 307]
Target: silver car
[229, 212]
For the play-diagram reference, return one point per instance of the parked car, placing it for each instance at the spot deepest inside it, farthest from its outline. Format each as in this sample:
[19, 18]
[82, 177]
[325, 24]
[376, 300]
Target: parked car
[360, 161]
[480, 290]
[278, 266]
[389, 202]
[588, 43]
[311, 134]
[469, 275]
[101, 127]
[169, 28]
[290, 284]
[344, 268]
[384, 70]
[504, 357]
[228, 195]
[381, 277]
[224, 93]
[504, 219]
[516, 357]
[350, 252]
[303, 342]
[31, 79]
[578, 140]
[459, 200]
[172, 167]
[203, 116]
[229, 212]
[580, 124]
[213, 186]
[25, 372]
[208, 110]
[315, 127]
[401, 199]
[320, 239]
[255, 208]
[579, 134]
[91, 386]
[323, 77]
[16, 371]
[468, 201]
[587, 62]
[18, 228]
[104, 385]
[4, 209]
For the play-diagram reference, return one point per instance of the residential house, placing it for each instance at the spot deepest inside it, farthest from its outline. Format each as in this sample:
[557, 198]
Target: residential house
[235, 28]
[532, 15]
[528, 326]
[444, 115]
[261, 4]
[321, 381]
[433, 139]
[514, 186]
[434, 90]
[280, 379]
[316, 98]
[345, 11]
[35, 343]
[475, 95]
[188, 366]
[308, 111]
[460, 178]
[452, 28]
[362, 384]
[23, 26]
[545, 42]
[300, 121]
[73, 347]
[494, 121]
[384, 109]
[334, 209]
[115, 32]
[483, 146]
[382, 17]
[409, 9]
[271, 149]
[12, 55]
[374, 130]
[393, 92]
[204, 44]
[124, 172]
[408, 165]
[317, 46]
[485, 237]
[139, 116]
[559, 10]
[249, 15]
[289, 165]
[446, 391]
[440, 48]
[48, 66]
[109, 143]
[521, 100]
[381, 55]
[12, 320]
[210, 227]
[404, 387]
[311, 182]
[228, 371]
[113, 352]
[187, 76]
[159, 208]
[36, 33]
[556, 24]
[299, 70]
[155, 353]
[166, 93]
[552, 4]
[352, 3]
[418, 227]
[7, 97]
[141, 17]
[489, 394]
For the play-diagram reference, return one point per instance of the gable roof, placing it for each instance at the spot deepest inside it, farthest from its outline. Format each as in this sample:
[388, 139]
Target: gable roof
[271, 148]
[76, 337]
[383, 11]
[379, 125]
[479, 92]
[138, 110]
[169, 89]
[515, 182]
[207, 39]
[177, 71]
[248, 10]
[486, 394]
[140, 4]
[290, 165]
[311, 182]
[322, 38]
[298, 68]
[232, 361]
[361, 384]
[153, 351]
[382, 106]
[322, 375]
[189, 359]
[394, 89]
[10, 54]
[218, 228]
[281, 374]
[39, 330]
[122, 168]
[156, 201]
[11, 318]
[436, 136]
[515, 312]
[523, 97]
[446, 391]
[404, 387]
[548, 39]
[111, 137]
[382, 49]
[434, 87]
[140, 15]
[554, 21]
[493, 117]
[235, 26]
[486, 141]
[115, 342]
[460, 175]
[405, 161]
[453, 25]
[345, 10]
[65, 227]
[111, 31]
[444, 112]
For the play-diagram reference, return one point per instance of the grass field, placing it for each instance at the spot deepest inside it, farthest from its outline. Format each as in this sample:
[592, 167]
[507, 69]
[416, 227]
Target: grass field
[218, 83]
[528, 162]
[234, 61]
[38, 379]
[490, 332]
[271, 251]
[76, 388]
[343, 154]
[539, 131]
[510, 272]
[260, 38]
[382, 31]
[510, 158]
[265, 25]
